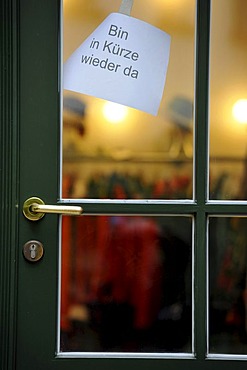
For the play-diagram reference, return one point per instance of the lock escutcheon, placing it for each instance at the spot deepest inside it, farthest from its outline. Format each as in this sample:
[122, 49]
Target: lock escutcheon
[33, 250]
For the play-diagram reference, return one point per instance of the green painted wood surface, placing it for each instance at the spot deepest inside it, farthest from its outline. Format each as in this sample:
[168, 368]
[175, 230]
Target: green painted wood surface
[29, 162]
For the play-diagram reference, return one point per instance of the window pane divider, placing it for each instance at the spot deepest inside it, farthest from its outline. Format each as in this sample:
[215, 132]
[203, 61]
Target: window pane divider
[136, 208]
[201, 175]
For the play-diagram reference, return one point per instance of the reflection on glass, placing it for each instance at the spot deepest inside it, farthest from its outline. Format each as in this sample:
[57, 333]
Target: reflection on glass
[227, 289]
[126, 284]
[228, 94]
[148, 156]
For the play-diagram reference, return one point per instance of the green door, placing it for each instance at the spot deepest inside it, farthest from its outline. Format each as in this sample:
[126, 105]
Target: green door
[153, 274]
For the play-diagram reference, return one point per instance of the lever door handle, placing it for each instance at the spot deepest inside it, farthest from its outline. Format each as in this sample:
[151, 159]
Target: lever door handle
[34, 209]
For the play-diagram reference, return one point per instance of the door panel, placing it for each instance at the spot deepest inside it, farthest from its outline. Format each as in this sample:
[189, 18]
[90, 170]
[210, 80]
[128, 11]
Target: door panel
[227, 288]
[228, 104]
[38, 286]
[126, 284]
[137, 155]
[38, 283]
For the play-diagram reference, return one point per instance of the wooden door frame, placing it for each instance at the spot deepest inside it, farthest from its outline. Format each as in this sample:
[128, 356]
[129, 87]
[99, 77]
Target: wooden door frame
[9, 173]
[10, 189]
[27, 111]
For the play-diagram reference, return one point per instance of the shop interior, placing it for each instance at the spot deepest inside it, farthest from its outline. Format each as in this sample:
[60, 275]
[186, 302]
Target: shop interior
[127, 280]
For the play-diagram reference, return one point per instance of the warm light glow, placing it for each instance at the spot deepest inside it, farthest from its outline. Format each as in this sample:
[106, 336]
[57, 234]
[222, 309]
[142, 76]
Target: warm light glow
[114, 113]
[239, 111]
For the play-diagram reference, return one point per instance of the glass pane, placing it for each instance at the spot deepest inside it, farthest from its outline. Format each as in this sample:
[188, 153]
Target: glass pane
[228, 100]
[126, 284]
[137, 155]
[227, 288]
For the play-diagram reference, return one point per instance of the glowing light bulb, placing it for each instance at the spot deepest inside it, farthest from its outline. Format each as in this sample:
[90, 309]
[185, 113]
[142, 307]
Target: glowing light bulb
[114, 113]
[239, 111]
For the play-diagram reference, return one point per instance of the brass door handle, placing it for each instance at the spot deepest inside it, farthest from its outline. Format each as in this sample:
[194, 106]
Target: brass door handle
[34, 209]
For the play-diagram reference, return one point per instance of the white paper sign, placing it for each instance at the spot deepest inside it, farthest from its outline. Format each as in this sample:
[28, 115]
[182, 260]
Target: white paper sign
[124, 60]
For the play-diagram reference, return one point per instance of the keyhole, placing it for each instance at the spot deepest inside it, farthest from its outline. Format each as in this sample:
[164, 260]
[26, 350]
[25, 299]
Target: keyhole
[33, 249]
